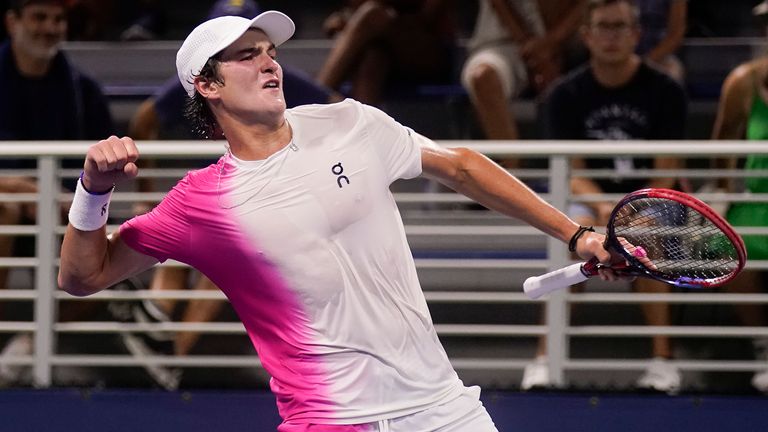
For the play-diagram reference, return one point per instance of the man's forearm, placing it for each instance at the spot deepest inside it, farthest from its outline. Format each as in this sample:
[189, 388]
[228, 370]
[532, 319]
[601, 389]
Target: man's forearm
[83, 254]
[492, 186]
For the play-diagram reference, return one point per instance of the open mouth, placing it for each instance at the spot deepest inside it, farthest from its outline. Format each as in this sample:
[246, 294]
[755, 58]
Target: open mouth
[272, 84]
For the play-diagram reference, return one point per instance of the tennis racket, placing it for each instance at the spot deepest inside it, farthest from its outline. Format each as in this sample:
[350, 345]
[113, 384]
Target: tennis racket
[662, 234]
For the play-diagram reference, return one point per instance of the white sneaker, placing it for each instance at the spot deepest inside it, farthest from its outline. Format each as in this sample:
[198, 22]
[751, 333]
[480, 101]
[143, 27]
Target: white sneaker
[19, 345]
[760, 381]
[660, 376]
[536, 374]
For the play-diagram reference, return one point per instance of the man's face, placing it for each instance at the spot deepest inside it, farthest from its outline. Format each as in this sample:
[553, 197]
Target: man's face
[38, 30]
[253, 80]
[612, 33]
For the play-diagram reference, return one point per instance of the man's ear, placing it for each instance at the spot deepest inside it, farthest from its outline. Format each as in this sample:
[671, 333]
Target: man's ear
[209, 89]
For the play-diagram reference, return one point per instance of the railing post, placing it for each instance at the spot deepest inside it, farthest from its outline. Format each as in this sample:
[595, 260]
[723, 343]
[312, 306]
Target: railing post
[45, 279]
[556, 308]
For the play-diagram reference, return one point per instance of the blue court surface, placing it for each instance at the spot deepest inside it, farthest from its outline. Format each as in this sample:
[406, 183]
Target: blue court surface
[81, 410]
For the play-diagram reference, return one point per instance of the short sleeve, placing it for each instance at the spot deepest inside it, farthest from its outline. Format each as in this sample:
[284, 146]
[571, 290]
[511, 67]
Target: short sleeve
[397, 146]
[163, 233]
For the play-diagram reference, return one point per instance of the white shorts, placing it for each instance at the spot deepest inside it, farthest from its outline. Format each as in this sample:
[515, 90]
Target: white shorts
[506, 61]
[464, 414]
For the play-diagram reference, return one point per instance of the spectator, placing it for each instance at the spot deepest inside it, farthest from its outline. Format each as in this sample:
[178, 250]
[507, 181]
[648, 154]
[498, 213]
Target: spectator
[44, 98]
[378, 40]
[743, 113]
[663, 23]
[515, 47]
[617, 96]
[162, 117]
[297, 225]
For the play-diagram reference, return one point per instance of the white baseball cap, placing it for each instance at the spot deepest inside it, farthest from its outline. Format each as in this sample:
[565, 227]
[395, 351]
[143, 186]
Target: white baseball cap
[212, 36]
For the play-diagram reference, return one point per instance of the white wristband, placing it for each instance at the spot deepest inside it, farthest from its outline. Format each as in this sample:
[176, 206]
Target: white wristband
[89, 211]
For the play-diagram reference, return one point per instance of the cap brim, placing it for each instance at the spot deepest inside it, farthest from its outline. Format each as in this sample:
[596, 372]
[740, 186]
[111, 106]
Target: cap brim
[278, 27]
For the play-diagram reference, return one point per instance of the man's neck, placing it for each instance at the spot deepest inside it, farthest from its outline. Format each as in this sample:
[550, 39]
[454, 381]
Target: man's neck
[614, 75]
[29, 66]
[258, 142]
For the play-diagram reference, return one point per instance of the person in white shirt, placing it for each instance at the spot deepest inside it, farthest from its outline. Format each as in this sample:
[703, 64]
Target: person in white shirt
[297, 226]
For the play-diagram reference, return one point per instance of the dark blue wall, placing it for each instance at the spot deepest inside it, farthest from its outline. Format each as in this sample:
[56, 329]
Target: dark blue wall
[71, 410]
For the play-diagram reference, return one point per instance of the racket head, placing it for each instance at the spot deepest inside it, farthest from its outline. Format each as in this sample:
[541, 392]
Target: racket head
[684, 242]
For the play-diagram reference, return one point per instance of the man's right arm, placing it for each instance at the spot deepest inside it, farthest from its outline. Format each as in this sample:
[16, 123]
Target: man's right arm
[90, 260]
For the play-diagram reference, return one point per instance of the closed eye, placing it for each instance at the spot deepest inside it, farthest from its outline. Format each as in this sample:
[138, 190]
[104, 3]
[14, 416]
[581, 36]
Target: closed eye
[250, 53]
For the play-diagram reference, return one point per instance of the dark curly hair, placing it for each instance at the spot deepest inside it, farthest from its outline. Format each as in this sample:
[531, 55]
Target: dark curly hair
[196, 108]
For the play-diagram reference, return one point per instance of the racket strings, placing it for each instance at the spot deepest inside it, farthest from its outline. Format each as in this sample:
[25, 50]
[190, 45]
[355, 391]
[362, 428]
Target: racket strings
[682, 244]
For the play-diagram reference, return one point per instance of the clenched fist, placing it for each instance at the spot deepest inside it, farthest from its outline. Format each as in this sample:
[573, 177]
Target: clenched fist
[109, 161]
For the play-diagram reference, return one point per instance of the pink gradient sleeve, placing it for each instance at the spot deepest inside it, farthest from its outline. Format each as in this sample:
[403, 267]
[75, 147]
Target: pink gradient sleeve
[162, 233]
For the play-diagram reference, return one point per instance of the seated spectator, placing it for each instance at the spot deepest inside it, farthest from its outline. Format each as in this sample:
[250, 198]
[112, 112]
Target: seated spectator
[515, 47]
[162, 117]
[617, 96]
[379, 40]
[663, 23]
[44, 98]
[743, 114]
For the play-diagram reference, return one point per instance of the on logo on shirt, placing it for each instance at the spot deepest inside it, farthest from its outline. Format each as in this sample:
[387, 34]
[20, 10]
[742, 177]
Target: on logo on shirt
[338, 170]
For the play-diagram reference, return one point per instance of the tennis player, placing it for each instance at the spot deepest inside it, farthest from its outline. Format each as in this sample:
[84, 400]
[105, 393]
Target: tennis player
[296, 224]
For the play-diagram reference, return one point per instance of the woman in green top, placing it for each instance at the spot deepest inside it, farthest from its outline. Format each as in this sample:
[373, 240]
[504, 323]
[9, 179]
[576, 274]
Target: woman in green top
[743, 113]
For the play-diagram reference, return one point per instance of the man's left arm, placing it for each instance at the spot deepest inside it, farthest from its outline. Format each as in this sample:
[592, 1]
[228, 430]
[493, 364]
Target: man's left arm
[480, 179]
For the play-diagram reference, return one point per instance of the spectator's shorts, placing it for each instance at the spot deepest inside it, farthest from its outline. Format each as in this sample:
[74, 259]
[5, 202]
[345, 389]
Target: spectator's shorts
[505, 59]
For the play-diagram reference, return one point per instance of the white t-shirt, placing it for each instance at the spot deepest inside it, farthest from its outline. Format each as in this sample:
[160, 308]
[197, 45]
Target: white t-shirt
[309, 247]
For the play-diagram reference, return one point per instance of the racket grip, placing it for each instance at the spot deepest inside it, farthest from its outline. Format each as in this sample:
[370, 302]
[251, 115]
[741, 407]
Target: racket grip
[536, 286]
